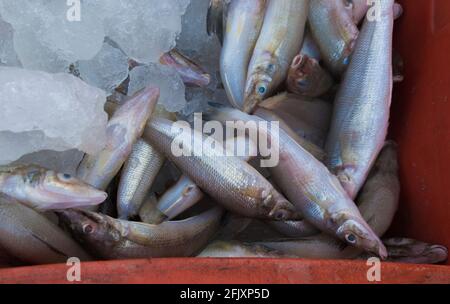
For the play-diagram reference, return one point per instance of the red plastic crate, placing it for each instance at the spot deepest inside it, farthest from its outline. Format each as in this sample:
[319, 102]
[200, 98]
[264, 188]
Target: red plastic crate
[421, 126]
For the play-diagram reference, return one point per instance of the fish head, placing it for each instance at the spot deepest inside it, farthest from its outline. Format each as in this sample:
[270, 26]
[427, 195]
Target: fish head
[281, 208]
[88, 227]
[60, 191]
[357, 233]
[261, 82]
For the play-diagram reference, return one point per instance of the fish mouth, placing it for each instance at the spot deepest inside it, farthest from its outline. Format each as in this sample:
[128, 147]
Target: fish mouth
[382, 251]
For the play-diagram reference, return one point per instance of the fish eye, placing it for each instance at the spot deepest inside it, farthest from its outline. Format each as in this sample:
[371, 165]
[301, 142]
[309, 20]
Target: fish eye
[262, 90]
[346, 60]
[302, 83]
[88, 228]
[65, 177]
[351, 238]
[280, 215]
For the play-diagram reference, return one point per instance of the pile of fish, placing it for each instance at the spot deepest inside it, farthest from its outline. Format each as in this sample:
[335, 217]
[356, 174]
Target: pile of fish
[322, 69]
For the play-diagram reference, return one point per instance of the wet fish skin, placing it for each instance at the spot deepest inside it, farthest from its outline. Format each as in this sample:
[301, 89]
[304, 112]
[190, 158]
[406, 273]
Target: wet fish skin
[123, 129]
[278, 43]
[190, 73]
[333, 29]
[361, 112]
[229, 180]
[44, 189]
[111, 238]
[180, 197]
[306, 77]
[314, 191]
[294, 228]
[138, 175]
[29, 236]
[244, 23]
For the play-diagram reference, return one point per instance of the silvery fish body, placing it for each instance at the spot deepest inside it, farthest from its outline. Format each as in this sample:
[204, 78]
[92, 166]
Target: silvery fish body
[138, 174]
[228, 179]
[361, 110]
[313, 189]
[111, 238]
[124, 128]
[277, 45]
[30, 237]
[244, 22]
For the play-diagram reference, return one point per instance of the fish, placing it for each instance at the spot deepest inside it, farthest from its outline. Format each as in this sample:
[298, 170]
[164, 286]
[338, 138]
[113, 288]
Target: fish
[358, 8]
[123, 130]
[332, 27]
[314, 191]
[191, 74]
[110, 238]
[234, 249]
[307, 77]
[228, 179]
[308, 117]
[138, 174]
[27, 235]
[244, 23]
[377, 202]
[180, 197]
[362, 105]
[278, 43]
[44, 189]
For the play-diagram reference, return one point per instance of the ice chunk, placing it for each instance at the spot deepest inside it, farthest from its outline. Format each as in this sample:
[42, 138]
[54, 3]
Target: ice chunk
[8, 55]
[145, 29]
[48, 111]
[172, 88]
[45, 38]
[63, 162]
[107, 70]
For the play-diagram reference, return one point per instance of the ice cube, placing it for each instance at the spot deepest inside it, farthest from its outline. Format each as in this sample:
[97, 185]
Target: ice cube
[41, 111]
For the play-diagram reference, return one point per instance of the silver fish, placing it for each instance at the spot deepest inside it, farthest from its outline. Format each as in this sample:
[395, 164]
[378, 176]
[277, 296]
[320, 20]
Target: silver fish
[333, 29]
[403, 250]
[229, 180]
[279, 42]
[111, 238]
[361, 109]
[314, 190]
[44, 189]
[30, 237]
[123, 129]
[244, 23]
[180, 197]
[138, 175]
